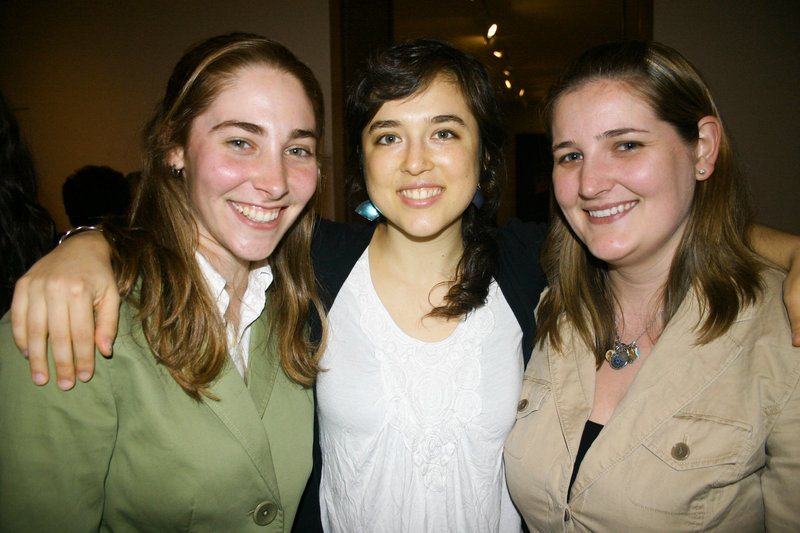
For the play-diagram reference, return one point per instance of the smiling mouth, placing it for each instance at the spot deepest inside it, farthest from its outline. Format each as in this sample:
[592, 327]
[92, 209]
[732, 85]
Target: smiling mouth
[421, 193]
[617, 209]
[257, 214]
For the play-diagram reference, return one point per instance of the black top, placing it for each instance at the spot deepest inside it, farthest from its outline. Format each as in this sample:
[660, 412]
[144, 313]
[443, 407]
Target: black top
[590, 432]
[335, 249]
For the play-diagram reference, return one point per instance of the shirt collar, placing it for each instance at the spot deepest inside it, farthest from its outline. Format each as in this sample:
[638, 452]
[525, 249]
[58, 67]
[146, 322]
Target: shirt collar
[255, 297]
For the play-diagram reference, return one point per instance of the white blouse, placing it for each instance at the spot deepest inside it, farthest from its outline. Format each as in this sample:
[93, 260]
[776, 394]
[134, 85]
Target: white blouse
[253, 303]
[412, 432]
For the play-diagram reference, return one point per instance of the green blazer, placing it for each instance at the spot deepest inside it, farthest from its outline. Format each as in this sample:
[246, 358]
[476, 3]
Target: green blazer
[130, 451]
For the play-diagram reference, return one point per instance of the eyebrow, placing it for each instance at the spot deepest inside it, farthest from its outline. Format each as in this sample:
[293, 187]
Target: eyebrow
[610, 134]
[620, 131]
[246, 126]
[258, 130]
[438, 119]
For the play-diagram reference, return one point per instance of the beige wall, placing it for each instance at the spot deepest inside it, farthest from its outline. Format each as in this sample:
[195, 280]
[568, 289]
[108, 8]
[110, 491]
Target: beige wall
[749, 52]
[84, 76]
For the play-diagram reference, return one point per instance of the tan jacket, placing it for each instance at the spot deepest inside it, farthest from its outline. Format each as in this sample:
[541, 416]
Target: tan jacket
[707, 437]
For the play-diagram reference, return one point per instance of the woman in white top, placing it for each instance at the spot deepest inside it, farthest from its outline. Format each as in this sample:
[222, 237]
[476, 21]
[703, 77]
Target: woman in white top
[424, 359]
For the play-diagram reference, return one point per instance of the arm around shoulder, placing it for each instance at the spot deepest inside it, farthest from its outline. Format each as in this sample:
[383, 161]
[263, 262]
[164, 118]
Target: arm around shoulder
[57, 299]
[783, 249]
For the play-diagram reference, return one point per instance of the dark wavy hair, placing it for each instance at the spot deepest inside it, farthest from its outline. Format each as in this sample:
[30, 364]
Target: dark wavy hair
[712, 257]
[402, 71]
[157, 257]
[26, 230]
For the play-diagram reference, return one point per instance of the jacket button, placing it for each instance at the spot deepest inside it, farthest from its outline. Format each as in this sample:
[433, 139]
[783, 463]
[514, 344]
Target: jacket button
[680, 451]
[265, 513]
[522, 405]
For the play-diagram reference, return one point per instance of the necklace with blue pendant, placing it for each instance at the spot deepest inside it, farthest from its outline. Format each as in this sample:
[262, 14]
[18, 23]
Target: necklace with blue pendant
[623, 354]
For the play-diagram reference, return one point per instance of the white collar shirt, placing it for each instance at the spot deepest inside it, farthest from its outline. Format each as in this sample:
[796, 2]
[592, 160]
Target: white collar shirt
[253, 303]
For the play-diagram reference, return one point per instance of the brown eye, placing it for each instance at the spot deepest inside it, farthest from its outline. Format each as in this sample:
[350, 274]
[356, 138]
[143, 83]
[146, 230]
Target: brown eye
[387, 139]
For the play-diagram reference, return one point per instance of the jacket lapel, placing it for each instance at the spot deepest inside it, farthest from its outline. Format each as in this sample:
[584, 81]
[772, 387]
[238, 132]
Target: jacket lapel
[674, 373]
[241, 408]
[263, 367]
[573, 382]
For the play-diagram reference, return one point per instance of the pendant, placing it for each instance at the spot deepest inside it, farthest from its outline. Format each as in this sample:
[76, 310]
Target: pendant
[622, 354]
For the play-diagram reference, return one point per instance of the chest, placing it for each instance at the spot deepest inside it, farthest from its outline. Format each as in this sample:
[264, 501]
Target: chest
[377, 370]
[180, 464]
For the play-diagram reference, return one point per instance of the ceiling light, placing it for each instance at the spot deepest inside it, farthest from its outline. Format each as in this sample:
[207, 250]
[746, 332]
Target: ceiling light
[508, 84]
[497, 53]
[522, 92]
[507, 73]
[491, 31]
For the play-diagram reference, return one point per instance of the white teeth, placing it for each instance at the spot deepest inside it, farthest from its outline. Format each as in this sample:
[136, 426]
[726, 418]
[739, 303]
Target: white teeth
[612, 211]
[421, 193]
[257, 214]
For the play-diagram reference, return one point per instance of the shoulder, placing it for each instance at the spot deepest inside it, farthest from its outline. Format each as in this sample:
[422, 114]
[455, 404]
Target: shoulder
[768, 313]
[763, 330]
[335, 249]
[330, 235]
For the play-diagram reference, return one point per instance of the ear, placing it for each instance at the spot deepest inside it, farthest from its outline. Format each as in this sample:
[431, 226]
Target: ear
[175, 158]
[709, 131]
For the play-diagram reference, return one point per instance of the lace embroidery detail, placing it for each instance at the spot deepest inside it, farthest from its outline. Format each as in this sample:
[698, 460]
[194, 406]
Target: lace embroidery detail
[431, 388]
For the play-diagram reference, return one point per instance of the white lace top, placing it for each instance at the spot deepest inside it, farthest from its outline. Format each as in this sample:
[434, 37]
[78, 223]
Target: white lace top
[412, 432]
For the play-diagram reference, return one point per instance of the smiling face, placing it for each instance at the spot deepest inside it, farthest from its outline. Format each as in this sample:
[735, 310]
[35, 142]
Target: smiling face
[623, 178]
[421, 161]
[250, 165]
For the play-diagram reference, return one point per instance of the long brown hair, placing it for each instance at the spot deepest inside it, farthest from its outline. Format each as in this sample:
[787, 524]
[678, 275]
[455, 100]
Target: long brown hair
[409, 68]
[712, 257]
[155, 260]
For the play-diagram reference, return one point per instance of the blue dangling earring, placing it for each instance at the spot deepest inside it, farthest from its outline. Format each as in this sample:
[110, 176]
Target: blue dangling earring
[368, 210]
[477, 200]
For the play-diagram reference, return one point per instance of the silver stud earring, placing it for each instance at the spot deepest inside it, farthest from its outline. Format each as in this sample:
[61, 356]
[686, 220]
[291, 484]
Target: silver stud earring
[701, 171]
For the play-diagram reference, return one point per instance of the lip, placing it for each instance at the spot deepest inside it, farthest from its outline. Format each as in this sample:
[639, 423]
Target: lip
[603, 214]
[256, 215]
[420, 194]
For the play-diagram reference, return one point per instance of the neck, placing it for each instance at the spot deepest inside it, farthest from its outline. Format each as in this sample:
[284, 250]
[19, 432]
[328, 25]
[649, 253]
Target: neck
[419, 258]
[236, 275]
[639, 300]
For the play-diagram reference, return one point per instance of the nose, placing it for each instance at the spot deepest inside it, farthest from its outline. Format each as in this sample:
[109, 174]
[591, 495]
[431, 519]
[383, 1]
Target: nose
[595, 178]
[416, 159]
[270, 175]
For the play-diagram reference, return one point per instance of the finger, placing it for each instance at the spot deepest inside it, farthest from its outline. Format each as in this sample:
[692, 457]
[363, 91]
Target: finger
[107, 321]
[81, 325]
[791, 299]
[35, 323]
[19, 315]
[58, 323]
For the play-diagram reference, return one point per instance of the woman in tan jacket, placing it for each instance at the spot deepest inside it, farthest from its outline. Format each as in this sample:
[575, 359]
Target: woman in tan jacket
[663, 392]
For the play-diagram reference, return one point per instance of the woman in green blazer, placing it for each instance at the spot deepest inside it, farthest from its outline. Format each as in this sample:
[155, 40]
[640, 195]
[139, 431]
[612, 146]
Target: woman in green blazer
[203, 419]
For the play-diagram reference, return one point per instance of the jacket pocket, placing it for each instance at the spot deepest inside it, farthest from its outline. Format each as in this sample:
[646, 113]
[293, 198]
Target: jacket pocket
[690, 455]
[535, 392]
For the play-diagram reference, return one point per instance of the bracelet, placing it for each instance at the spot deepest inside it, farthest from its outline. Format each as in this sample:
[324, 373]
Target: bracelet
[80, 229]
